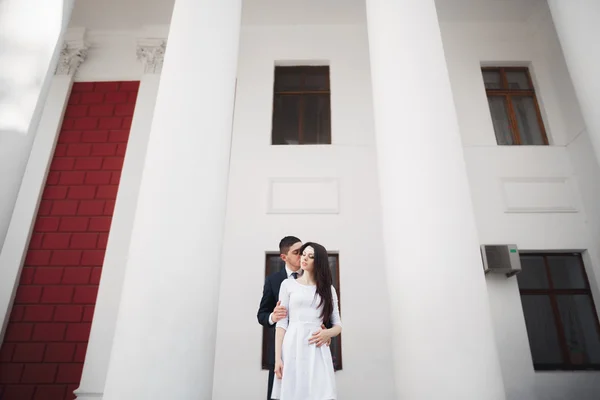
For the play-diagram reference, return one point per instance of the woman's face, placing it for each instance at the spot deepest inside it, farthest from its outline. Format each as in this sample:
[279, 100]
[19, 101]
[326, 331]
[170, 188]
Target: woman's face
[307, 261]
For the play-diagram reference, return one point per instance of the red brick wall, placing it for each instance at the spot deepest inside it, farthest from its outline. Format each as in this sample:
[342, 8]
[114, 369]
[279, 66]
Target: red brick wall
[44, 347]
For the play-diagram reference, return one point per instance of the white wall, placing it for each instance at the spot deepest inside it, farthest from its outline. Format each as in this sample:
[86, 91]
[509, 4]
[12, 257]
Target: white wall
[354, 231]
[553, 216]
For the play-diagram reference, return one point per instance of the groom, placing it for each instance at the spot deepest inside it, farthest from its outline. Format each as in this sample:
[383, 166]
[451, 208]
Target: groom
[270, 311]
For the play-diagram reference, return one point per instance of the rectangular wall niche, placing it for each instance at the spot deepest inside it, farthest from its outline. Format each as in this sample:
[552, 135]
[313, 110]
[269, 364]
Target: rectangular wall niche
[538, 195]
[303, 196]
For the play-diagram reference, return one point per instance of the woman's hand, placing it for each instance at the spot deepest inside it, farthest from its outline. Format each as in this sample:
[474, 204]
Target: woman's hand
[279, 368]
[320, 337]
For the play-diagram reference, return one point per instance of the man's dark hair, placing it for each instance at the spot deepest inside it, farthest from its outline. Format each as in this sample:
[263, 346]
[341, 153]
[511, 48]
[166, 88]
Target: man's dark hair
[286, 243]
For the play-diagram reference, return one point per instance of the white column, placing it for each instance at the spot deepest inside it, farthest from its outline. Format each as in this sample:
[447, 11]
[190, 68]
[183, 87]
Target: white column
[164, 342]
[443, 342]
[31, 30]
[31, 36]
[577, 24]
[150, 53]
[23, 217]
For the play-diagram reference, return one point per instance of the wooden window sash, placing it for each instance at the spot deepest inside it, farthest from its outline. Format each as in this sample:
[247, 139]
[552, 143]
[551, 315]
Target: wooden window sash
[508, 94]
[302, 101]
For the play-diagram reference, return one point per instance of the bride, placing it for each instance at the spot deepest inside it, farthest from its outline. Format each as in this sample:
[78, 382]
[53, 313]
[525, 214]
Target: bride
[303, 366]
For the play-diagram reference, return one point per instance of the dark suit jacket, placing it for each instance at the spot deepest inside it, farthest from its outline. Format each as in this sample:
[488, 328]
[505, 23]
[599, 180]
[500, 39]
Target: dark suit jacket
[267, 305]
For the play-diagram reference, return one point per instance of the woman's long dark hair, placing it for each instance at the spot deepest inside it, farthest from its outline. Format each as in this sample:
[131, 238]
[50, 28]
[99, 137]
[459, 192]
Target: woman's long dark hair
[322, 275]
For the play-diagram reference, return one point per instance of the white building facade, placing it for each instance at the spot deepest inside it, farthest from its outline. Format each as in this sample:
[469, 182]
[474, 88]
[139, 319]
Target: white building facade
[172, 143]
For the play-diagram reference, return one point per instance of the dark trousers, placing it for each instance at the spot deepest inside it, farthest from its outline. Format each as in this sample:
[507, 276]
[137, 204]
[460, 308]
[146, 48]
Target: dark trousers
[271, 377]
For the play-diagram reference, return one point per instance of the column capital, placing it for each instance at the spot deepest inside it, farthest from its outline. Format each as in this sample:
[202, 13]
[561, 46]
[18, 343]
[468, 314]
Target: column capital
[151, 52]
[72, 55]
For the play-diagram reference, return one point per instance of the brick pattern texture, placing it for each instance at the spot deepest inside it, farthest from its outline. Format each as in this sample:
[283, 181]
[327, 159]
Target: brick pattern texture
[46, 339]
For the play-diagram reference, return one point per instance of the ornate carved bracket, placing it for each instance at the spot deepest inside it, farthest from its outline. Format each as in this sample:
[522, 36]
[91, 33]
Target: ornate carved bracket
[71, 57]
[151, 53]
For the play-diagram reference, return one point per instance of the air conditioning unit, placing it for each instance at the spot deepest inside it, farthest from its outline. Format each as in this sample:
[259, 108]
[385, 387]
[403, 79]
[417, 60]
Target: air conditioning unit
[501, 259]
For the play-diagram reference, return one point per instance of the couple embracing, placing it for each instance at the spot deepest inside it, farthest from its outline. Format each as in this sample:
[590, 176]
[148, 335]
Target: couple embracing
[300, 304]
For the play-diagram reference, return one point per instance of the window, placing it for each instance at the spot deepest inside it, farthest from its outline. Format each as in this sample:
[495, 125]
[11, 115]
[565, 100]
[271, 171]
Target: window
[301, 106]
[514, 107]
[274, 263]
[560, 315]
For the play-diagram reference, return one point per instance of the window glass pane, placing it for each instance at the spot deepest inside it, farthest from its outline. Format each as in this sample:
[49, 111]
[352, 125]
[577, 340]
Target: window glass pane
[580, 327]
[541, 329]
[274, 264]
[533, 274]
[567, 272]
[316, 78]
[492, 80]
[316, 124]
[517, 80]
[285, 119]
[527, 120]
[288, 79]
[335, 342]
[336, 352]
[500, 120]
[334, 271]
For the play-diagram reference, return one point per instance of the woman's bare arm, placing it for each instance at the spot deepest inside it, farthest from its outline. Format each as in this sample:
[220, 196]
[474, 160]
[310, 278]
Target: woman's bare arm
[280, 329]
[279, 335]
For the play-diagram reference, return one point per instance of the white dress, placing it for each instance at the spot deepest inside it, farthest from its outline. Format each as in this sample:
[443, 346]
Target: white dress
[307, 369]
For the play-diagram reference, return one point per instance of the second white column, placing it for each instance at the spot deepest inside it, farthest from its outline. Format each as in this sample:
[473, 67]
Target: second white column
[443, 343]
[576, 23]
[165, 336]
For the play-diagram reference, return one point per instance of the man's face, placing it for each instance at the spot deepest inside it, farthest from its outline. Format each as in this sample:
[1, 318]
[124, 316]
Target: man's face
[292, 258]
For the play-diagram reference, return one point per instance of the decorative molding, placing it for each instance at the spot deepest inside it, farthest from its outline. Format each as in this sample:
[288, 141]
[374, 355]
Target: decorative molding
[87, 395]
[72, 55]
[538, 195]
[151, 52]
[303, 196]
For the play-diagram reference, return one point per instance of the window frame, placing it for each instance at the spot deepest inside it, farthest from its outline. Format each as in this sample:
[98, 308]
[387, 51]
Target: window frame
[507, 94]
[303, 71]
[336, 284]
[552, 293]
